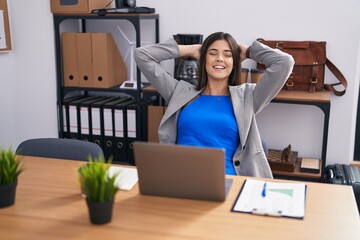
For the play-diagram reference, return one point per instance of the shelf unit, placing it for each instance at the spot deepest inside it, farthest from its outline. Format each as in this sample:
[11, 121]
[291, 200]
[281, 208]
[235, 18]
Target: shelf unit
[81, 25]
[317, 99]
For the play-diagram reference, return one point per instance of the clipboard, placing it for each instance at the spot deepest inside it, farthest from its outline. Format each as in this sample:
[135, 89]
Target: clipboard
[276, 199]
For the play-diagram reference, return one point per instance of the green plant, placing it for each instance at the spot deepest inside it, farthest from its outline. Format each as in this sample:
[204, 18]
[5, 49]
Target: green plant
[10, 167]
[95, 180]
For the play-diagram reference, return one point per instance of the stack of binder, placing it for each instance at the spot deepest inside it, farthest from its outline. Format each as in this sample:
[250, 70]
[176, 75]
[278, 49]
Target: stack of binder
[111, 122]
[91, 60]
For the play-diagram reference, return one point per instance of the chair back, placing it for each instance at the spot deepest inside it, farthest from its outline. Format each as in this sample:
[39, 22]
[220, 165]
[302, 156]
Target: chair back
[62, 148]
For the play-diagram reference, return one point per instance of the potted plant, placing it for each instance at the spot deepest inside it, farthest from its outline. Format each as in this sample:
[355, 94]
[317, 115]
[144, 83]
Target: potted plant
[10, 169]
[99, 189]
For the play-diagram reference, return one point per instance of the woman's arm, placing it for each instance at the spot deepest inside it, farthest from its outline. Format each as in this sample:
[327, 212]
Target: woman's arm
[190, 51]
[148, 60]
[278, 68]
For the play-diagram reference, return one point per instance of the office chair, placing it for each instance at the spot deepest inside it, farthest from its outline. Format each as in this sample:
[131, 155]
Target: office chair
[62, 148]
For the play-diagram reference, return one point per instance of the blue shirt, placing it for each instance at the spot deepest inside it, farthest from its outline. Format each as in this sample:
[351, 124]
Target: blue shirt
[209, 121]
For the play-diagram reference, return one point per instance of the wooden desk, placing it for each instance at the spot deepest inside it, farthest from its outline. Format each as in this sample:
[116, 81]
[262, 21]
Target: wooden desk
[49, 206]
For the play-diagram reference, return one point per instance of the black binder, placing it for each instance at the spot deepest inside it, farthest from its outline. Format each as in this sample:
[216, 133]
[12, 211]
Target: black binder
[109, 127]
[97, 124]
[74, 117]
[132, 130]
[85, 118]
[64, 108]
[120, 132]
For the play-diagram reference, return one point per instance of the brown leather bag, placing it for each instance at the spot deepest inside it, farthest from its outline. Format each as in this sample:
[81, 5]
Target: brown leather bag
[309, 69]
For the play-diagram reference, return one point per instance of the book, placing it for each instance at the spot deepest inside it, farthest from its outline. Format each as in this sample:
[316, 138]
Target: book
[272, 198]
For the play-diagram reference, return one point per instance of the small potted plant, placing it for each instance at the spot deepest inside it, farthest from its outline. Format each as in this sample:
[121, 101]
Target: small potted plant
[10, 169]
[99, 189]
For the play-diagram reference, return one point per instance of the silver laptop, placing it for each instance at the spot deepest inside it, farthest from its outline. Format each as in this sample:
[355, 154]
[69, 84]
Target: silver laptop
[181, 171]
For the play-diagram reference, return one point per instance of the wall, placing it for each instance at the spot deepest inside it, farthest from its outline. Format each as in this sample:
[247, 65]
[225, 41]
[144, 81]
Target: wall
[27, 74]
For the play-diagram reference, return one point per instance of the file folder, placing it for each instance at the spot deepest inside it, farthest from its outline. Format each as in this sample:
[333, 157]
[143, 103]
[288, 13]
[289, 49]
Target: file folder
[84, 60]
[69, 59]
[97, 124]
[65, 114]
[109, 128]
[120, 132]
[132, 110]
[109, 68]
[74, 117]
[85, 117]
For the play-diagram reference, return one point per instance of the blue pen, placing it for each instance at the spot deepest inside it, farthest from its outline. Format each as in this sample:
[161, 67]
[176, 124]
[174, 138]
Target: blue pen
[263, 193]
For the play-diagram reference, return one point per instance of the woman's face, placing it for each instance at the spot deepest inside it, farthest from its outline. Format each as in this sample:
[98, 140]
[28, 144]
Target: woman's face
[219, 61]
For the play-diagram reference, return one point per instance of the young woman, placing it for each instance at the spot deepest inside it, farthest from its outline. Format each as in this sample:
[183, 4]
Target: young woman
[216, 113]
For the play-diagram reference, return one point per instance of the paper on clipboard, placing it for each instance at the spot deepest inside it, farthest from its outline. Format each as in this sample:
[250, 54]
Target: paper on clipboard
[281, 199]
[2, 30]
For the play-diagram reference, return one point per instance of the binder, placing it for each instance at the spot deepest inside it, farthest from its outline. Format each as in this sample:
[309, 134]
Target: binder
[69, 59]
[132, 110]
[66, 119]
[109, 68]
[97, 124]
[84, 60]
[85, 118]
[109, 127]
[74, 117]
[120, 132]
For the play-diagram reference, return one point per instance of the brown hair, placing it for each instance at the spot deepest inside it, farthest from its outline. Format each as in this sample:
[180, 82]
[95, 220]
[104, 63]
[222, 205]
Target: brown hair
[235, 50]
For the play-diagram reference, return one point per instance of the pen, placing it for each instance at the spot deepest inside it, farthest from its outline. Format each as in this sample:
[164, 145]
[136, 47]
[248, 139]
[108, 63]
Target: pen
[263, 193]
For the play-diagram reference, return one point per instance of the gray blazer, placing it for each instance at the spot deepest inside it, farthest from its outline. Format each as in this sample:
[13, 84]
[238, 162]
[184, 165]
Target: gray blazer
[248, 99]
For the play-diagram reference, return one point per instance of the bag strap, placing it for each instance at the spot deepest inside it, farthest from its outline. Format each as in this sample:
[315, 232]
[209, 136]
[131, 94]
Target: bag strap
[339, 76]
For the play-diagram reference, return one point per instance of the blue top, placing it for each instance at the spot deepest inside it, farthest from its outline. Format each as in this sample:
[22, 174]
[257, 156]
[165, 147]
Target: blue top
[209, 121]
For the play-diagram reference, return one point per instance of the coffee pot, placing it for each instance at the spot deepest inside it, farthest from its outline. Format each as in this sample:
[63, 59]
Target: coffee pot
[187, 68]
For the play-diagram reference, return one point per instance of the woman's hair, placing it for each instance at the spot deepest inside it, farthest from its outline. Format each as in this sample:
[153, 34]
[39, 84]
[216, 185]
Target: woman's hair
[235, 50]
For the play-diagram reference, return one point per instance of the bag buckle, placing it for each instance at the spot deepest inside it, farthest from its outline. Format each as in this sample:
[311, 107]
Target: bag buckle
[280, 45]
[313, 81]
[291, 84]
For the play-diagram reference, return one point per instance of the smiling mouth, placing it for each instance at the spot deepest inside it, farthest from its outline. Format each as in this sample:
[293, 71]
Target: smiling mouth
[218, 67]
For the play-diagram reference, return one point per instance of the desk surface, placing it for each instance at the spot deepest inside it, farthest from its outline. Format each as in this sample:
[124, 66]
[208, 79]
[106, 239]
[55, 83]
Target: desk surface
[49, 206]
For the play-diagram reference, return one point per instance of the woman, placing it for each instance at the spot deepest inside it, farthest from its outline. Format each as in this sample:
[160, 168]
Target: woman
[216, 113]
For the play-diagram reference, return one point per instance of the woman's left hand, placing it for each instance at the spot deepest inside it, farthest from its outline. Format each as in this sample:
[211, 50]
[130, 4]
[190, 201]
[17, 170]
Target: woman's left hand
[243, 49]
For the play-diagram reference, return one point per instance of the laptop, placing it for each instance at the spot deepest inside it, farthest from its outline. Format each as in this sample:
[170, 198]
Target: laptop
[177, 171]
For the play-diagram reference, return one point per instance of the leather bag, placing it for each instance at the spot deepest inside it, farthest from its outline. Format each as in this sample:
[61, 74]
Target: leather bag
[309, 69]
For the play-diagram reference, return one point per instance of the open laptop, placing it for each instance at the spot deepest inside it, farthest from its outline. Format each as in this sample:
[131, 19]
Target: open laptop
[181, 171]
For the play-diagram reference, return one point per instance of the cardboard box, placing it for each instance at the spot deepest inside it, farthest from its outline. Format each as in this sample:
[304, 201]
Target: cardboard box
[70, 64]
[84, 59]
[109, 68]
[155, 114]
[92, 60]
[76, 6]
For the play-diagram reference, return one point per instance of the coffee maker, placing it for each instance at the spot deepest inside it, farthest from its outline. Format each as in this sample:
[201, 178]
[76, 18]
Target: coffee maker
[187, 68]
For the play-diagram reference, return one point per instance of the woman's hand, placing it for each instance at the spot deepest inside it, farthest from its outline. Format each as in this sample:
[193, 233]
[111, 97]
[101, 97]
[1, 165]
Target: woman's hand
[243, 49]
[190, 51]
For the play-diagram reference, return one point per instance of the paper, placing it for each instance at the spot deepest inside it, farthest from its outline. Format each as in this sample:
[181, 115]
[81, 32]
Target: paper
[126, 179]
[275, 199]
[2, 31]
